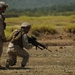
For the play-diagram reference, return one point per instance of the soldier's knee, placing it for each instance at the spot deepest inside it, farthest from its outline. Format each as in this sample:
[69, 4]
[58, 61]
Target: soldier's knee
[10, 62]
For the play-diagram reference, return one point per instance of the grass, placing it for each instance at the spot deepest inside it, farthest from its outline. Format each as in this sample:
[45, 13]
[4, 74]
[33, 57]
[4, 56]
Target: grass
[44, 29]
[43, 24]
[44, 20]
[70, 28]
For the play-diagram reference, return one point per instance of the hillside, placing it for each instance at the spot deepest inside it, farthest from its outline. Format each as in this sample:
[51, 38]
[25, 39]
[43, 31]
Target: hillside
[23, 4]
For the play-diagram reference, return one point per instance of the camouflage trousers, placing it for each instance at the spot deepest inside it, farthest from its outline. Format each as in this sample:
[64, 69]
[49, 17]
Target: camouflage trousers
[15, 51]
[1, 49]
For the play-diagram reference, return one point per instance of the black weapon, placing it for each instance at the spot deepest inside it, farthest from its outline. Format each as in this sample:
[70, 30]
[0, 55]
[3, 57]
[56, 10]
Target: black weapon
[34, 42]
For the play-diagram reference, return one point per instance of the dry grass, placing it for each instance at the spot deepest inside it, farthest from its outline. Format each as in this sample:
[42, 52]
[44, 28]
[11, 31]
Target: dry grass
[44, 24]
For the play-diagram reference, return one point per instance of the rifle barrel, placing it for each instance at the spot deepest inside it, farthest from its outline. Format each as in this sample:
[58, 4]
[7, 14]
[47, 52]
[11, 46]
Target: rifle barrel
[44, 46]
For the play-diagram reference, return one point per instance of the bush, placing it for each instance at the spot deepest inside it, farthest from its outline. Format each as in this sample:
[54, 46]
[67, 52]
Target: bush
[70, 29]
[43, 29]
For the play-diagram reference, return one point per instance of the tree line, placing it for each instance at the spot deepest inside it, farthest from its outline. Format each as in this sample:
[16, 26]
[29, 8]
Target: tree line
[44, 11]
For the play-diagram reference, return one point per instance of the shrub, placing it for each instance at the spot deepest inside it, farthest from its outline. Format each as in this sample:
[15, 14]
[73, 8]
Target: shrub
[70, 29]
[44, 29]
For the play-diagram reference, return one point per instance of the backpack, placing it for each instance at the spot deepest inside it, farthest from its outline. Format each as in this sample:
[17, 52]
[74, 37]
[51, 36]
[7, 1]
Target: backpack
[16, 38]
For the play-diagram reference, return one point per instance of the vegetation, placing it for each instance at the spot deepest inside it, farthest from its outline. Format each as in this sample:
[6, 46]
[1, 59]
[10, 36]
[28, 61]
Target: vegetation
[43, 29]
[41, 25]
[25, 4]
[44, 18]
[44, 11]
[70, 29]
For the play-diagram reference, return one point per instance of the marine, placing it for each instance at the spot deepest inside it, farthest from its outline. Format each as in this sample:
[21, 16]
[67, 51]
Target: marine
[3, 7]
[18, 46]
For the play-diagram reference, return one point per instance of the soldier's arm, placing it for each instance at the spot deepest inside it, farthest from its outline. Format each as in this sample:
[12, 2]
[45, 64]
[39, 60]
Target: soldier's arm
[2, 33]
[1, 26]
[26, 44]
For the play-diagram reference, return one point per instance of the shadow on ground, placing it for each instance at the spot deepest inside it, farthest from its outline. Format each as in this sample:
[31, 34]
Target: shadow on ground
[14, 68]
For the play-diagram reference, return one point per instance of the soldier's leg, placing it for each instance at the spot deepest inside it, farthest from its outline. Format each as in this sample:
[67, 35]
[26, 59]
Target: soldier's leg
[24, 61]
[1, 49]
[22, 53]
[11, 60]
[18, 51]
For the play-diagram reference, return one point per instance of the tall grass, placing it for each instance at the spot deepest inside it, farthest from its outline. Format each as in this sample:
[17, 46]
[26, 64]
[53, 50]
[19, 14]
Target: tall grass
[70, 28]
[43, 24]
[43, 29]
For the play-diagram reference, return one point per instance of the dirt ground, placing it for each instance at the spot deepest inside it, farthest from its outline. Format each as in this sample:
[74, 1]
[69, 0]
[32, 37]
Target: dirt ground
[61, 61]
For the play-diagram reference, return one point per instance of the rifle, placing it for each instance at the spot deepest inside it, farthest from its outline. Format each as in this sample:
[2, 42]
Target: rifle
[34, 42]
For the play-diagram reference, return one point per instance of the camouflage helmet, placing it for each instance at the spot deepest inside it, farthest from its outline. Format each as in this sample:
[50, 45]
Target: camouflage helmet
[25, 24]
[3, 4]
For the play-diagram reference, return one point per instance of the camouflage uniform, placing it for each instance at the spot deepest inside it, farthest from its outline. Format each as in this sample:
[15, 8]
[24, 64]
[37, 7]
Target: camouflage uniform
[2, 27]
[15, 50]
